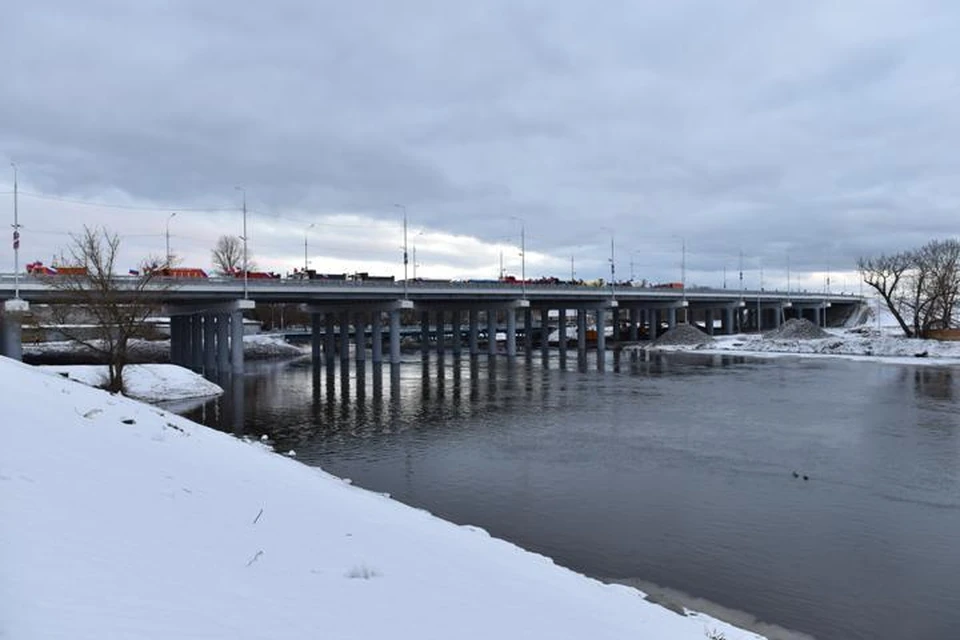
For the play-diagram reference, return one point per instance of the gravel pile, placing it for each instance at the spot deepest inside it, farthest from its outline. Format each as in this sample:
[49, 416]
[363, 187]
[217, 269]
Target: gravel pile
[797, 329]
[683, 334]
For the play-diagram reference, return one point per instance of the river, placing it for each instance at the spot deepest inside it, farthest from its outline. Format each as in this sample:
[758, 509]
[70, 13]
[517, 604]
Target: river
[683, 470]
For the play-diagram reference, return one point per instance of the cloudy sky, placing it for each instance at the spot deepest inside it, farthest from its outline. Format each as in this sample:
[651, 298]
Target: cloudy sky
[804, 131]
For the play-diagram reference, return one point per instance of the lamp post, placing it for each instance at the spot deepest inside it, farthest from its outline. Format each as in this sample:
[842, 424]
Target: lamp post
[613, 269]
[404, 209]
[523, 256]
[244, 238]
[305, 261]
[16, 235]
[169, 257]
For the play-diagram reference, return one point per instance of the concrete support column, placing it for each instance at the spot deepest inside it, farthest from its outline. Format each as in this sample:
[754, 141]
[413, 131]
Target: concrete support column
[186, 349]
[236, 341]
[174, 325]
[728, 321]
[474, 322]
[344, 336]
[440, 325]
[424, 332]
[528, 330]
[196, 356]
[11, 342]
[491, 332]
[511, 332]
[544, 331]
[329, 339]
[581, 333]
[395, 336]
[376, 338]
[223, 342]
[209, 342]
[562, 336]
[456, 327]
[708, 321]
[316, 340]
[601, 337]
[672, 317]
[777, 312]
[615, 322]
[360, 335]
[634, 324]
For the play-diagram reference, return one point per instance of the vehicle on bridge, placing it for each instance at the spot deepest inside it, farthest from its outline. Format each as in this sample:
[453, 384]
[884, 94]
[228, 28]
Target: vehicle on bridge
[39, 269]
[180, 272]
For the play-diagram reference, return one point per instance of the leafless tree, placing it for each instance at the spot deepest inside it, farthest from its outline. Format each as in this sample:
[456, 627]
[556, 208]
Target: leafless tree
[885, 274]
[118, 306]
[227, 256]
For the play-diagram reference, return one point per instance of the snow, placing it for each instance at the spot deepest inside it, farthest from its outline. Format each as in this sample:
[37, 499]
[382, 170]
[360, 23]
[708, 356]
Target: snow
[147, 382]
[121, 520]
[886, 344]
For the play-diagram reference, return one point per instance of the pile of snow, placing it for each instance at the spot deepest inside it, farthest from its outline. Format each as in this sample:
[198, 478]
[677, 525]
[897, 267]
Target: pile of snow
[683, 335]
[265, 346]
[121, 520]
[147, 382]
[797, 329]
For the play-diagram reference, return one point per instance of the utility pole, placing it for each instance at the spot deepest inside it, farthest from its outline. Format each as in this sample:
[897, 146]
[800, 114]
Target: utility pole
[169, 257]
[16, 235]
[573, 273]
[613, 272]
[305, 261]
[405, 259]
[414, 261]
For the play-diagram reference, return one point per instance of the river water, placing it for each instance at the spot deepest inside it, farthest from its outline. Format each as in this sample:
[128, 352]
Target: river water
[677, 470]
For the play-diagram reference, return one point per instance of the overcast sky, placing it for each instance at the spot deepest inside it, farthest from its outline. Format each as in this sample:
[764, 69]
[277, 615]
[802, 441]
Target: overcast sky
[816, 130]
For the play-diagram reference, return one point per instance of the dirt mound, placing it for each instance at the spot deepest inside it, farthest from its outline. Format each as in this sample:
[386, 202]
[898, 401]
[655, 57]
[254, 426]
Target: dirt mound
[683, 334]
[797, 329]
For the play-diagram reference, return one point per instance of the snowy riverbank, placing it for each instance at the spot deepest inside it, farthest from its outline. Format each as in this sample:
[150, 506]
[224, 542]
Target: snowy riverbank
[146, 382]
[121, 520]
[860, 343]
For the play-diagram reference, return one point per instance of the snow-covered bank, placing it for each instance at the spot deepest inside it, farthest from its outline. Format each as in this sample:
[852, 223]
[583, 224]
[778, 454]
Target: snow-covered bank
[860, 343]
[147, 382]
[255, 347]
[123, 521]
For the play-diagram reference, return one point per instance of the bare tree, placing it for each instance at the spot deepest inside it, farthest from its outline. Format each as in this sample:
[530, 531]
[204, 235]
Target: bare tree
[885, 274]
[227, 256]
[118, 306]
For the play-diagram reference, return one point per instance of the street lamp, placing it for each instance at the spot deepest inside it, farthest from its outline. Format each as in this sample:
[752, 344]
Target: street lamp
[244, 238]
[305, 262]
[404, 209]
[169, 258]
[16, 235]
[523, 257]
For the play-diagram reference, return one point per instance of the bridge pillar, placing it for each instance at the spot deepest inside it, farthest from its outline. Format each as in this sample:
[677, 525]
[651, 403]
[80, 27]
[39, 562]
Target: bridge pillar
[344, 336]
[376, 338]
[424, 332]
[316, 338]
[634, 324]
[360, 336]
[708, 321]
[561, 336]
[582, 335]
[511, 332]
[223, 342]
[492, 331]
[12, 322]
[174, 339]
[329, 339]
[727, 321]
[186, 348]
[777, 311]
[395, 336]
[474, 329]
[615, 321]
[528, 330]
[456, 338]
[209, 342]
[601, 337]
[236, 341]
[671, 317]
[197, 356]
[439, 328]
[544, 333]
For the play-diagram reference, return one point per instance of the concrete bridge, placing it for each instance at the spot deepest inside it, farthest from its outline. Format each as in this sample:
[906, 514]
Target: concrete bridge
[206, 314]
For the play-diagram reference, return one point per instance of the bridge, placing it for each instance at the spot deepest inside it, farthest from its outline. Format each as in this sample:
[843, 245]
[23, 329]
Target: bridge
[206, 313]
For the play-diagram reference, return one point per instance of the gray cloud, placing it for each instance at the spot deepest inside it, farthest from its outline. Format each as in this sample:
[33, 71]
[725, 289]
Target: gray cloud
[817, 129]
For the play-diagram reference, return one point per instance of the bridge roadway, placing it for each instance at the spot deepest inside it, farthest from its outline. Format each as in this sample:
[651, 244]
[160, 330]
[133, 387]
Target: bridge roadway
[206, 314]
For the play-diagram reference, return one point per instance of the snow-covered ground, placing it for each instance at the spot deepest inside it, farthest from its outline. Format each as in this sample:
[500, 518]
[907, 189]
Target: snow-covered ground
[147, 382]
[120, 520]
[255, 347]
[861, 343]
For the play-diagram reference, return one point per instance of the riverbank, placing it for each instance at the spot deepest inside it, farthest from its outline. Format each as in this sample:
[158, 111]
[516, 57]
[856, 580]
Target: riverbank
[145, 382]
[885, 344]
[124, 520]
